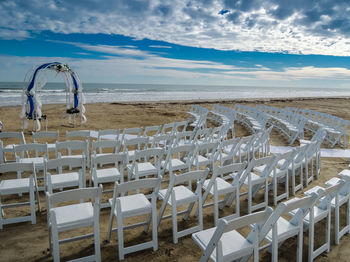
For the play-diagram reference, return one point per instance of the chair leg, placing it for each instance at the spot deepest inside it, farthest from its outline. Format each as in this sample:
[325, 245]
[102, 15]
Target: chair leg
[311, 240]
[32, 200]
[174, 218]
[55, 244]
[154, 225]
[1, 213]
[300, 245]
[97, 240]
[110, 226]
[120, 237]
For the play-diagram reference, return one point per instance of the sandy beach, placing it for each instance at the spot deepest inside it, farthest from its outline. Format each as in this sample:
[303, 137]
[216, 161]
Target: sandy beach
[26, 242]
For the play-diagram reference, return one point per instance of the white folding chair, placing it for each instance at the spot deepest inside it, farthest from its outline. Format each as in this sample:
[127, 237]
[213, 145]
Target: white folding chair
[219, 185]
[59, 179]
[73, 148]
[146, 163]
[205, 155]
[111, 147]
[18, 185]
[107, 175]
[225, 243]
[178, 158]
[73, 216]
[178, 195]
[32, 153]
[296, 168]
[124, 206]
[17, 137]
[278, 228]
[130, 146]
[342, 199]
[320, 211]
[256, 183]
[229, 151]
[45, 137]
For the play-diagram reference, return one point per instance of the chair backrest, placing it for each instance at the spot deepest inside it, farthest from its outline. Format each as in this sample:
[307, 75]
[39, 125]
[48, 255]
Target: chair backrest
[74, 195]
[35, 148]
[288, 158]
[168, 128]
[180, 126]
[17, 167]
[134, 185]
[225, 172]
[15, 135]
[182, 152]
[84, 134]
[152, 130]
[110, 134]
[44, 135]
[202, 134]
[198, 175]
[165, 141]
[185, 137]
[138, 143]
[132, 132]
[329, 193]
[116, 158]
[60, 163]
[72, 145]
[104, 144]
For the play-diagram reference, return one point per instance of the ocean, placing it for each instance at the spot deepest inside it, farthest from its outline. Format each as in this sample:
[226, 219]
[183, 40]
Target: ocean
[54, 93]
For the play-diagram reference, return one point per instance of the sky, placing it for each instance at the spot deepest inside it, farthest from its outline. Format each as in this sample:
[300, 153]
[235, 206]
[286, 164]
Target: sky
[299, 43]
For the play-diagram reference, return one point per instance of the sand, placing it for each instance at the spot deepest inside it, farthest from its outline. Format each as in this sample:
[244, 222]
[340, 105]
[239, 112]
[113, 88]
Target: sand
[26, 242]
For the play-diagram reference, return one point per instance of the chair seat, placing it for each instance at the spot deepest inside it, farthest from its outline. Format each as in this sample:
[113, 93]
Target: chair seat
[223, 186]
[65, 180]
[107, 175]
[284, 230]
[133, 205]
[319, 214]
[13, 186]
[146, 168]
[182, 195]
[254, 177]
[74, 216]
[233, 243]
[202, 160]
[176, 164]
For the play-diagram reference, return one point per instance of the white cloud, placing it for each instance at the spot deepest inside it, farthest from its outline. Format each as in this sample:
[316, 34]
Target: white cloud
[306, 27]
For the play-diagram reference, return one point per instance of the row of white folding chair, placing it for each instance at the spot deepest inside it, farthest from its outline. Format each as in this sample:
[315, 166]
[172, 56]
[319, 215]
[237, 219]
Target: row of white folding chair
[274, 228]
[251, 118]
[291, 124]
[18, 185]
[335, 126]
[9, 147]
[197, 116]
[224, 116]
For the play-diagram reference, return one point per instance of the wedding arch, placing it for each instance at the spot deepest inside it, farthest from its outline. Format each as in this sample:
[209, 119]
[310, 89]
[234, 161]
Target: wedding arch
[31, 101]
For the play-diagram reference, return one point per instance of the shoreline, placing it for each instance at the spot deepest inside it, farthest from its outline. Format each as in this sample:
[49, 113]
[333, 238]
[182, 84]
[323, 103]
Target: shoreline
[208, 101]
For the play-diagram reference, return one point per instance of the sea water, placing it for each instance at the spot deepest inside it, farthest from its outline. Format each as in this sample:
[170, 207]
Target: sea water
[55, 93]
